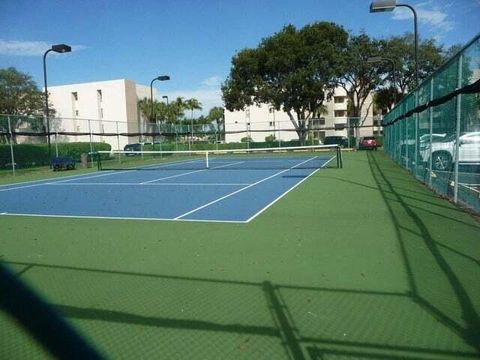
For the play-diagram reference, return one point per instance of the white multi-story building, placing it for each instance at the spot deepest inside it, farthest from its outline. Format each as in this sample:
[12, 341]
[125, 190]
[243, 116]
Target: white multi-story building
[257, 122]
[99, 111]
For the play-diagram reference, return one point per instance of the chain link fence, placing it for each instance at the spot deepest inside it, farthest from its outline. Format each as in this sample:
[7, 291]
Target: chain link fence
[25, 142]
[434, 132]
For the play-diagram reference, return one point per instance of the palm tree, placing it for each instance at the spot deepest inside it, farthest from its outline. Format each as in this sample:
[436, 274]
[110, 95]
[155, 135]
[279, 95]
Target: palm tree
[177, 108]
[192, 104]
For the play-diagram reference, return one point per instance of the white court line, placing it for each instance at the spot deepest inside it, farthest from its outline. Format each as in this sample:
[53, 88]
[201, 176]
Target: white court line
[242, 189]
[171, 177]
[22, 187]
[141, 184]
[120, 218]
[93, 176]
[47, 179]
[190, 172]
[285, 193]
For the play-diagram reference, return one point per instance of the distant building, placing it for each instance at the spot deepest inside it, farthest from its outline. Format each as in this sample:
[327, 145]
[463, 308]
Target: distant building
[103, 109]
[260, 122]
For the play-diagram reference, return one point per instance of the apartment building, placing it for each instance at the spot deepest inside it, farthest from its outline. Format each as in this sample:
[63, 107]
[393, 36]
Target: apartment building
[257, 122]
[98, 111]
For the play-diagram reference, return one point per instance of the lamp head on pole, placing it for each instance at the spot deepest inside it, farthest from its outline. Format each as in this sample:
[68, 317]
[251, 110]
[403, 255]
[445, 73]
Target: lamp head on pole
[163, 78]
[382, 5]
[61, 48]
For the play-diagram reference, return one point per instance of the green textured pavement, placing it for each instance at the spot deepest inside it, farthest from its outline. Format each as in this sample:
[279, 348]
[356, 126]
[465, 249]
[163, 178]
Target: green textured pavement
[362, 262]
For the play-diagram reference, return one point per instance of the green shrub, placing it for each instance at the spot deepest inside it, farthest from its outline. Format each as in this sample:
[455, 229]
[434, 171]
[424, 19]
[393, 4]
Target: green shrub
[31, 155]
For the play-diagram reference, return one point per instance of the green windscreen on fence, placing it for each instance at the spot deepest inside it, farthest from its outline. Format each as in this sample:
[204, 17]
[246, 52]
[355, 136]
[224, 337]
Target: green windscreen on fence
[434, 132]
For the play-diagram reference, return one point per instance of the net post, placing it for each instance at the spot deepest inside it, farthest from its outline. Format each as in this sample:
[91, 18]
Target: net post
[99, 162]
[206, 159]
[339, 157]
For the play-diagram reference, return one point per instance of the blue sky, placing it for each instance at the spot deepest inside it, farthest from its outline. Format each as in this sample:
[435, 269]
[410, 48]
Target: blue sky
[192, 41]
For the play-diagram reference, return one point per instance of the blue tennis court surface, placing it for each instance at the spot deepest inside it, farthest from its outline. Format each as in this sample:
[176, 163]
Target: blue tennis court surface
[222, 193]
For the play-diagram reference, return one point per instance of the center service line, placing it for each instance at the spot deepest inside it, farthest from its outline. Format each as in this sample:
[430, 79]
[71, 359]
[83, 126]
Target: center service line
[242, 189]
[190, 172]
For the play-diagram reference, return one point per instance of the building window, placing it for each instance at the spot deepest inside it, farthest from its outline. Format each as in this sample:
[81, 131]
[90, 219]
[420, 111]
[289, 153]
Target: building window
[340, 113]
[75, 96]
[318, 122]
[272, 123]
[339, 99]
[76, 112]
[99, 95]
[271, 110]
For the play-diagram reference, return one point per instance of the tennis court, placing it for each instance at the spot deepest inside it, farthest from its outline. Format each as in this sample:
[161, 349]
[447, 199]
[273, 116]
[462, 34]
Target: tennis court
[362, 262]
[230, 188]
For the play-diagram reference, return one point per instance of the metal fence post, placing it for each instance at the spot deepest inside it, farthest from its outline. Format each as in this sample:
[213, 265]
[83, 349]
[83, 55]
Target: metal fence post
[459, 116]
[406, 143]
[415, 161]
[91, 144]
[56, 143]
[118, 135]
[11, 145]
[430, 138]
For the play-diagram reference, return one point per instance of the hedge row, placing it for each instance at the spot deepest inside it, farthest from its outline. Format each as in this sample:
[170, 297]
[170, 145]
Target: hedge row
[31, 155]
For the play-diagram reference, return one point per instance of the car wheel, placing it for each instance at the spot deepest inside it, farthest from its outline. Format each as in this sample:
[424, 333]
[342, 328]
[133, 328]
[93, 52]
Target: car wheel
[441, 161]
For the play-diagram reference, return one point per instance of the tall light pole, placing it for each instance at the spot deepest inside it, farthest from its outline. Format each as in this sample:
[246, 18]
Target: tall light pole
[390, 5]
[168, 110]
[394, 81]
[159, 78]
[59, 48]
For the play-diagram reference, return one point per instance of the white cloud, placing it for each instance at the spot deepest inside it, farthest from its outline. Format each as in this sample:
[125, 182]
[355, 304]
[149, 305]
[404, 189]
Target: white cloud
[28, 48]
[433, 17]
[213, 81]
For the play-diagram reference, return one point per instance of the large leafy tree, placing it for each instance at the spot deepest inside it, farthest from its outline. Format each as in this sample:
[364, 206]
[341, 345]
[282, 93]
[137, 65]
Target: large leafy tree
[20, 97]
[19, 94]
[359, 78]
[402, 50]
[295, 70]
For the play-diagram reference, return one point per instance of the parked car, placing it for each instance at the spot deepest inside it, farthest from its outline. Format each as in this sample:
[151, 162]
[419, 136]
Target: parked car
[336, 140]
[132, 147]
[368, 142]
[443, 151]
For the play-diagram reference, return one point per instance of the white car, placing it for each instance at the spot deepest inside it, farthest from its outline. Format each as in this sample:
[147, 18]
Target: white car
[443, 151]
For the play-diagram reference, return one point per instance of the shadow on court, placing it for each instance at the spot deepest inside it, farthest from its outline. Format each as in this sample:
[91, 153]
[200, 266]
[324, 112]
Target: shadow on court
[430, 271]
[128, 314]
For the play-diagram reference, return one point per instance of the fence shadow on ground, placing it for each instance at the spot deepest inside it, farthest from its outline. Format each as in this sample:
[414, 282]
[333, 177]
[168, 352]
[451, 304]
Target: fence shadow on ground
[431, 274]
[129, 314]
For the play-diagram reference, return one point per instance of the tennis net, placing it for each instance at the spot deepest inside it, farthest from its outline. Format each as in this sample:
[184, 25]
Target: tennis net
[299, 157]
